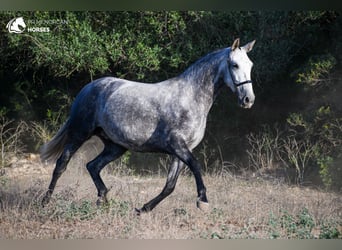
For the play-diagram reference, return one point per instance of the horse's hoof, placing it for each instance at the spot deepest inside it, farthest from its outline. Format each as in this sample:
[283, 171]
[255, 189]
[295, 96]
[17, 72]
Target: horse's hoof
[102, 201]
[204, 206]
[45, 200]
[138, 211]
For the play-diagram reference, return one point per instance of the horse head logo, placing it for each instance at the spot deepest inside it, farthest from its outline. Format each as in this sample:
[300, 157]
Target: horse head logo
[16, 25]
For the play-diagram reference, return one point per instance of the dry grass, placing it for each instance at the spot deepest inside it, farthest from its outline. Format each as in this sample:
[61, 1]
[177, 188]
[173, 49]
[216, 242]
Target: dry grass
[239, 208]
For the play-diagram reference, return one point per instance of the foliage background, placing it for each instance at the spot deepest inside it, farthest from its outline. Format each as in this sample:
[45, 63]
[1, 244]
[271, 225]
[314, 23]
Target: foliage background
[295, 123]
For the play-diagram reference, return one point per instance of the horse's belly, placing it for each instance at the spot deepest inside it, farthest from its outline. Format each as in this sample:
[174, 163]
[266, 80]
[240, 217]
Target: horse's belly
[132, 134]
[196, 136]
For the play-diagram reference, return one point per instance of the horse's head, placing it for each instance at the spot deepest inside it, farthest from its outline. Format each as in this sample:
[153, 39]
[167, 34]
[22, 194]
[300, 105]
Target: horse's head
[20, 22]
[238, 73]
[16, 25]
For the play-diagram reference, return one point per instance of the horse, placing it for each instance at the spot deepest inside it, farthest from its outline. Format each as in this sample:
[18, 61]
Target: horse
[16, 25]
[166, 117]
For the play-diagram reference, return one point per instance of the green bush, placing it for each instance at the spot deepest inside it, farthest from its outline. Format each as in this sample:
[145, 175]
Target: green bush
[84, 211]
[300, 226]
[309, 141]
[329, 231]
[316, 70]
[324, 164]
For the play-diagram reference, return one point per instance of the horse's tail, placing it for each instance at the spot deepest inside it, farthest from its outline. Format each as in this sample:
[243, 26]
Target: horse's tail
[53, 149]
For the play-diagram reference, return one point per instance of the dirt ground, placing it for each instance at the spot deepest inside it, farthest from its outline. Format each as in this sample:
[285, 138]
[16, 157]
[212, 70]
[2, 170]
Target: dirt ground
[240, 207]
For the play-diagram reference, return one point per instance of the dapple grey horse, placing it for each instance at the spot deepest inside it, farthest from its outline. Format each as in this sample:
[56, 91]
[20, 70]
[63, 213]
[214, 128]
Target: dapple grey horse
[168, 117]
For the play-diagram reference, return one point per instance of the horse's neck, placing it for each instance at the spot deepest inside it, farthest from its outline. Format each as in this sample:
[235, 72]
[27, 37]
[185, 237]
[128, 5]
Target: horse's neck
[204, 75]
[204, 88]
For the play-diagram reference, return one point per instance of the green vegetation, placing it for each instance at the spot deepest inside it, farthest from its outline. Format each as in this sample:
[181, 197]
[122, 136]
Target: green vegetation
[295, 123]
[316, 70]
[301, 226]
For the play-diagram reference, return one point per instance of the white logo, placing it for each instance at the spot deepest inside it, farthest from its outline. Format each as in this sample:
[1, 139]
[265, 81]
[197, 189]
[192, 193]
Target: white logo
[16, 25]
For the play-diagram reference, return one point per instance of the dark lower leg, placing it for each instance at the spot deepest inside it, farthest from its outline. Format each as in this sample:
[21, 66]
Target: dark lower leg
[171, 181]
[187, 157]
[110, 153]
[201, 189]
[61, 165]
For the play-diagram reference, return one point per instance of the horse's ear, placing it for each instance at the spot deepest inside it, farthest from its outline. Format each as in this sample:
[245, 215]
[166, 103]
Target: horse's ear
[249, 46]
[236, 44]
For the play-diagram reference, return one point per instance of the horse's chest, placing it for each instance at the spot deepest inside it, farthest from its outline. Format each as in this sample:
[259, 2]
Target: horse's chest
[195, 133]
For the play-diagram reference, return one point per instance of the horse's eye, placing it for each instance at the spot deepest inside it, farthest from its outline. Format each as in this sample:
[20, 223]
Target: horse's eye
[235, 65]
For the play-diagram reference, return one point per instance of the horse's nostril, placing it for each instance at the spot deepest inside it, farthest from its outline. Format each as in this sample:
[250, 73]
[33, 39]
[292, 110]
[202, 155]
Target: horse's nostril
[246, 100]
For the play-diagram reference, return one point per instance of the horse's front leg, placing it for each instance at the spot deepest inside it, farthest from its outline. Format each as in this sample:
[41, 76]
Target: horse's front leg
[185, 155]
[174, 171]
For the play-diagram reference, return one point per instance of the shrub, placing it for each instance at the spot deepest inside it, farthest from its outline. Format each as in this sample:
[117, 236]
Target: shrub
[324, 163]
[264, 148]
[307, 142]
[11, 139]
[316, 70]
[300, 226]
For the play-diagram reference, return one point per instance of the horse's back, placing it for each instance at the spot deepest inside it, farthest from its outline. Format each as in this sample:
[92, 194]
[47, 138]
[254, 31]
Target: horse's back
[88, 102]
[131, 112]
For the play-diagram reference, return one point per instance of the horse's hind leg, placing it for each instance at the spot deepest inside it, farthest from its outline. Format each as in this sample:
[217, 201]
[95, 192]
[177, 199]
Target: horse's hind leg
[175, 169]
[61, 165]
[110, 153]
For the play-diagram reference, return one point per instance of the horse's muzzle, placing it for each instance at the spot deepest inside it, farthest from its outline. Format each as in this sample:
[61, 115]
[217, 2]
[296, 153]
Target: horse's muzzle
[247, 101]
